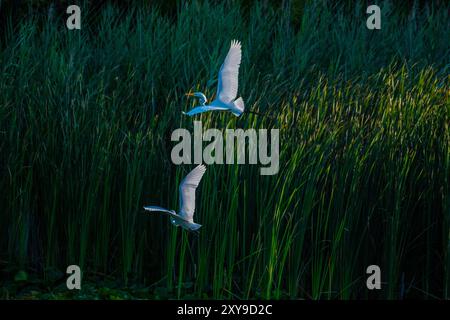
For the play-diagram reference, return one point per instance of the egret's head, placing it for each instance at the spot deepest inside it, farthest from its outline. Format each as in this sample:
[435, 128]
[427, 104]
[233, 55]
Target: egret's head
[201, 97]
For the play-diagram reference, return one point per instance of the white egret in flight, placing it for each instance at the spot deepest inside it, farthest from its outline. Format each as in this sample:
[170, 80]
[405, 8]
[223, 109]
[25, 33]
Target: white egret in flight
[227, 86]
[185, 218]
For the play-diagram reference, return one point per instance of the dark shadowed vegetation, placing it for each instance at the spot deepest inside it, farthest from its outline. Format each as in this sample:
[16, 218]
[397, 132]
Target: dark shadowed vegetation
[85, 125]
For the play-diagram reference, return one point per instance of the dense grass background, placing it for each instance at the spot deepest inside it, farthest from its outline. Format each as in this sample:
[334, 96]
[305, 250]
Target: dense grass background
[85, 125]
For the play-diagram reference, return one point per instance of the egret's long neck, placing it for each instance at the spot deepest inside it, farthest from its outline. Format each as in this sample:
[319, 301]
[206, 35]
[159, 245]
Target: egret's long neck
[202, 98]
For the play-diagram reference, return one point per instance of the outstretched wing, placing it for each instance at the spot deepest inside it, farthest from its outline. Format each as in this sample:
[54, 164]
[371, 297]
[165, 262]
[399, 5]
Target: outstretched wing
[187, 192]
[202, 109]
[229, 74]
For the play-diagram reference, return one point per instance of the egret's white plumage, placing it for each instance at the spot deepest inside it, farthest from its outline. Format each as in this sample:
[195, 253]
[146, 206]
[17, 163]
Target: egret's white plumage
[187, 188]
[227, 86]
[228, 74]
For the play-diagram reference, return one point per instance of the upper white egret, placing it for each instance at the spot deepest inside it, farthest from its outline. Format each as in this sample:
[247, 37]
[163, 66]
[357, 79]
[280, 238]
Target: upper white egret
[185, 218]
[227, 86]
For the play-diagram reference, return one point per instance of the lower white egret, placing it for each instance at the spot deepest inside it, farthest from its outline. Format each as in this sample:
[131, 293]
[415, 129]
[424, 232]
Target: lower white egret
[185, 218]
[227, 86]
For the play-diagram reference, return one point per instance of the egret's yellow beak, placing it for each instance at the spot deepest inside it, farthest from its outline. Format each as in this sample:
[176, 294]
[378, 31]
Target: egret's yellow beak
[189, 94]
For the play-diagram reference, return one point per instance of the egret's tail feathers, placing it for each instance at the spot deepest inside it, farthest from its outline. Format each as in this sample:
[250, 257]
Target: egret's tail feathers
[194, 226]
[238, 105]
